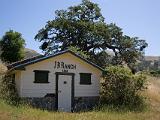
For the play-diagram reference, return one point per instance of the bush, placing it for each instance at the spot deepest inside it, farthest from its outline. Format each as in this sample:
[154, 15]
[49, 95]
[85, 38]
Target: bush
[122, 88]
[155, 73]
[8, 90]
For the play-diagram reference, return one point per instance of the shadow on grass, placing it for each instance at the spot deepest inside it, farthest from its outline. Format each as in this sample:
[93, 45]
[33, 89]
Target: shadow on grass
[103, 107]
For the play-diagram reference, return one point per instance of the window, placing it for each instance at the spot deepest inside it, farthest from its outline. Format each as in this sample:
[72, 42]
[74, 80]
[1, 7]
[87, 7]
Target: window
[85, 78]
[41, 76]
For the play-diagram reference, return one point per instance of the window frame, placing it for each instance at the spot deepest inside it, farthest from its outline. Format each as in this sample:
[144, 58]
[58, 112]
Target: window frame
[82, 81]
[41, 71]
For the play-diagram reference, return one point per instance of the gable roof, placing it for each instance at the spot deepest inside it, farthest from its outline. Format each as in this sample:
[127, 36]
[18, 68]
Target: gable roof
[20, 65]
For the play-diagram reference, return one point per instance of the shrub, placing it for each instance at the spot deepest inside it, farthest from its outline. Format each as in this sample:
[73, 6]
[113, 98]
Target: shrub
[121, 88]
[155, 73]
[8, 90]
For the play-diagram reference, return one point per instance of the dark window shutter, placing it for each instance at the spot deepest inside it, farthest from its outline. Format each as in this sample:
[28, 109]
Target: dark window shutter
[41, 76]
[85, 78]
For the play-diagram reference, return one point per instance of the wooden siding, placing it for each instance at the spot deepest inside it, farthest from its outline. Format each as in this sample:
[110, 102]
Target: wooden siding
[31, 89]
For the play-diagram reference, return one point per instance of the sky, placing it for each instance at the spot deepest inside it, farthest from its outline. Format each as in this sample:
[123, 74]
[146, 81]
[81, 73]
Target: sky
[137, 18]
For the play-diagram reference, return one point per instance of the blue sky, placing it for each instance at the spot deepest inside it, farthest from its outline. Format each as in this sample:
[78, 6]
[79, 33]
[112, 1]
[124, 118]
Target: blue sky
[136, 17]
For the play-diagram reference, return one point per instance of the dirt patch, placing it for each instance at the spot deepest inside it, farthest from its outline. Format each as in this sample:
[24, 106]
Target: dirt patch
[4, 115]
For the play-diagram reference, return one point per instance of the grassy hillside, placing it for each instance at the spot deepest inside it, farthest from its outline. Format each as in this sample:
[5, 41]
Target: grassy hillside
[153, 93]
[152, 58]
[30, 53]
[25, 113]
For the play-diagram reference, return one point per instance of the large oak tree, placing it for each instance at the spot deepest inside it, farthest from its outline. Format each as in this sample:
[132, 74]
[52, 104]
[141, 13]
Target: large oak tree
[83, 26]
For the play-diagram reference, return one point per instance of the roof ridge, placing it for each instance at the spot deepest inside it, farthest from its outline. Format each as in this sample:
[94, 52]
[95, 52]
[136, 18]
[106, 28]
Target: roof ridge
[24, 60]
[32, 58]
[43, 57]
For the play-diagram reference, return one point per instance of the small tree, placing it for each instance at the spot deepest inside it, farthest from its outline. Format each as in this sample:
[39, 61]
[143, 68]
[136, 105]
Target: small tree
[121, 88]
[8, 91]
[12, 47]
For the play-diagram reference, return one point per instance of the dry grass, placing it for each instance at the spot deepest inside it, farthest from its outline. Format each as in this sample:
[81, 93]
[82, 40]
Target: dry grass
[25, 113]
[153, 93]
[3, 68]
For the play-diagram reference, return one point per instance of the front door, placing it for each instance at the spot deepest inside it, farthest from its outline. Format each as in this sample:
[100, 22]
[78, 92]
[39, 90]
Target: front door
[64, 93]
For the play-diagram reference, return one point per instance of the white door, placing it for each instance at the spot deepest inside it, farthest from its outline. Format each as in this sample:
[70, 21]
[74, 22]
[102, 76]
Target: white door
[64, 93]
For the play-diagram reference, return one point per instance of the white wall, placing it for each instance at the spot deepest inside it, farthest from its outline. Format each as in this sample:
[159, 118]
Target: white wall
[31, 89]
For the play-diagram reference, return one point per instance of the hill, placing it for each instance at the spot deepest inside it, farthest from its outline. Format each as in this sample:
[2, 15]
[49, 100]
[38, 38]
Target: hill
[150, 63]
[152, 58]
[30, 53]
[146, 63]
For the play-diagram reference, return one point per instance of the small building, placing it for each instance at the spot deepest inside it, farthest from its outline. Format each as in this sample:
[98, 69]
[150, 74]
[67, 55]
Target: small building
[60, 81]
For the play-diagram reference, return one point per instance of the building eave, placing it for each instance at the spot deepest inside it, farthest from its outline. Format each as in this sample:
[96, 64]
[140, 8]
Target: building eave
[23, 65]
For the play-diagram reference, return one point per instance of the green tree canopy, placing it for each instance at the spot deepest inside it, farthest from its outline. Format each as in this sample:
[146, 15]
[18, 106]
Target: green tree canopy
[83, 26]
[12, 47]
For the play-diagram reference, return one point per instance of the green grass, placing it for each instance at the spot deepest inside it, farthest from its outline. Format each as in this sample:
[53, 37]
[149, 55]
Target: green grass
[8, 112]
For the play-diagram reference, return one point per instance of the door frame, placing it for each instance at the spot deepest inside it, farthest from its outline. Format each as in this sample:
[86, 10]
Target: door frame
[72, 89]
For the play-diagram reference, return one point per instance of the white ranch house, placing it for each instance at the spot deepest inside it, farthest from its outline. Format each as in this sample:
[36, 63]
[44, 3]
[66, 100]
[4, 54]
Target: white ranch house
[62, 80]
